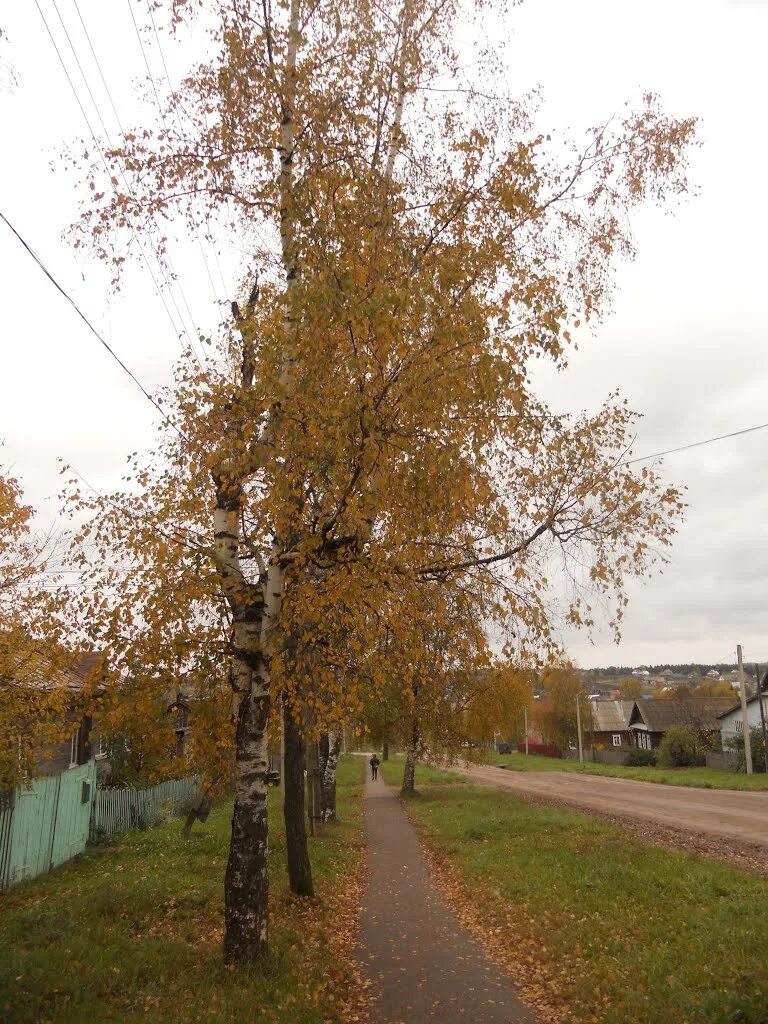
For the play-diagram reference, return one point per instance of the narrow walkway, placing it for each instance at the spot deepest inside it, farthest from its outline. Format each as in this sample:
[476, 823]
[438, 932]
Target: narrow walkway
[422, 964]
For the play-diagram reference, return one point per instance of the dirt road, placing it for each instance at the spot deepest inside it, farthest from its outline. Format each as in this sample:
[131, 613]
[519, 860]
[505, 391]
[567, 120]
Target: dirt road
[718, 813]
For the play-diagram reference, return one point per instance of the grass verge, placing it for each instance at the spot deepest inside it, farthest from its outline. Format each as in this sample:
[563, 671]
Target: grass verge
[135, 930]
[705, 778]
[593, 926]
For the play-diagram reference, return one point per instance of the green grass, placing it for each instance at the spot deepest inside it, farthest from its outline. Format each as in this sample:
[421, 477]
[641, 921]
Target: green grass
[134, 931]
[625, 933]
[706, 778]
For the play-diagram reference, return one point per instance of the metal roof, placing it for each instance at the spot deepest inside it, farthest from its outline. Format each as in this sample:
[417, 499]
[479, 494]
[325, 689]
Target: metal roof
[611, 715]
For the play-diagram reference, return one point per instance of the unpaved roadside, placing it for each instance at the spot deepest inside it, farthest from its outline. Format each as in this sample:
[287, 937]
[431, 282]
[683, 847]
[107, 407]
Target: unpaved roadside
[728, 824]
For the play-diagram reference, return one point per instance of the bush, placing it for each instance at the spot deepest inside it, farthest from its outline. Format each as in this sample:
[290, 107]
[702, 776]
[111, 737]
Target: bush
[756, 742]
[681, 747]
[640, 758]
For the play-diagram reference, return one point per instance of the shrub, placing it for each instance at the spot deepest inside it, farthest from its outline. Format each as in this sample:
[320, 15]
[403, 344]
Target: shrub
[681, 747]
[756, 742]
[640, 758]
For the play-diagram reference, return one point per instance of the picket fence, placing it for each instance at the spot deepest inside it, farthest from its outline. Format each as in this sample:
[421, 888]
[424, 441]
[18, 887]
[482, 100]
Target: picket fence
[118, 810]
[51, 820]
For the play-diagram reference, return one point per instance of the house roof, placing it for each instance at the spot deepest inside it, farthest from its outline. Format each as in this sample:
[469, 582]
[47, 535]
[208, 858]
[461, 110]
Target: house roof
[700, 712]
[611, 715]
[49, 669]
[737, 706]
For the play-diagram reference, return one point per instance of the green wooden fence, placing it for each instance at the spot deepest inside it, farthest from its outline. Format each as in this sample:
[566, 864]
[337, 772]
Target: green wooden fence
[45, 824]
[51, 821]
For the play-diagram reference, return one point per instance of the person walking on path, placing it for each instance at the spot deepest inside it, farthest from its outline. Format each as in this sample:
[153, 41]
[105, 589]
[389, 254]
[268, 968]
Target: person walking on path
[374, 762]
[422, 965]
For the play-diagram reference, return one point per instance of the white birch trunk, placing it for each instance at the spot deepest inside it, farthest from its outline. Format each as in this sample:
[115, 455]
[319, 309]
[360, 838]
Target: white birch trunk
[329, 776]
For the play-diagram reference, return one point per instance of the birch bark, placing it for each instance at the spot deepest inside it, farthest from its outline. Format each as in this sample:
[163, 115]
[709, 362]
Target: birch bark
[256, 610]
[329, 776]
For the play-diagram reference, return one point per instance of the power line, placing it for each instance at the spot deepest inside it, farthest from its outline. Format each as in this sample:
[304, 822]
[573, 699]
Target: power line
[121, 171]
[162, 115]
[106, 166]
[698, 444]
[89, 325]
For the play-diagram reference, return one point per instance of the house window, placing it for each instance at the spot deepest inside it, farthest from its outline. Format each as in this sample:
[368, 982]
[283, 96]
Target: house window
[74, 748]
[739, 725]
[101, 746]
[617, 739]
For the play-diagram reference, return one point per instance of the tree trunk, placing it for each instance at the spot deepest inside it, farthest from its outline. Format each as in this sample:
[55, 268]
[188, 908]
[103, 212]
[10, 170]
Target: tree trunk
[329, 776]
[409, 775]
[385, 751]
[299, 866]
[246, 913]
[322, 752]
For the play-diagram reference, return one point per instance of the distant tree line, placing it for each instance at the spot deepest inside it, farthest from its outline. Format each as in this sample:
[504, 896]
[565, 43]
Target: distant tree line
[688, 669]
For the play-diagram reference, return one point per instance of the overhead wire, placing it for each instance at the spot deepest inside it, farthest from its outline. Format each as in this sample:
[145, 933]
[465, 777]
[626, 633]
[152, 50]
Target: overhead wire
[97, 109]
[162, 114]
[177, 332]
[99, 337]
[181, 132]
[182, 135]
[698, 444]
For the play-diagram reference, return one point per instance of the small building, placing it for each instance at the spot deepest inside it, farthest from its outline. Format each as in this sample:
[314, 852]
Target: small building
[54, 729]
[732, 722]
[649, 720]
[608, 722]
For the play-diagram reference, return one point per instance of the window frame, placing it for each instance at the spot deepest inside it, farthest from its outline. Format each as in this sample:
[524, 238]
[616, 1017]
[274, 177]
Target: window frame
[74, 748]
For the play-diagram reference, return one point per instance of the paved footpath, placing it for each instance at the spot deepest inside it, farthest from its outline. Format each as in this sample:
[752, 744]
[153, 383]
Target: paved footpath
[722, 813]
[422, 963]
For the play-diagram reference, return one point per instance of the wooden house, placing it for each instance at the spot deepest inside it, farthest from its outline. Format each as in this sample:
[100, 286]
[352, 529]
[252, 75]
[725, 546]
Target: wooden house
[649, 720]
[608, 723]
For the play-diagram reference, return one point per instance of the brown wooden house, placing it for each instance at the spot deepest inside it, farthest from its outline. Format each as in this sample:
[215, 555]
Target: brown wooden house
[649, 720]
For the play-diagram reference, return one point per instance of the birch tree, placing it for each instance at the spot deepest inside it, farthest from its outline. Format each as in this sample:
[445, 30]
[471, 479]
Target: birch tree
[370, 428]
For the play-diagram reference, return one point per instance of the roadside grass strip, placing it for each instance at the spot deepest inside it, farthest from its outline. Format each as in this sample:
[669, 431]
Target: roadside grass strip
[593, 926]
[704, 778]
[134, 931]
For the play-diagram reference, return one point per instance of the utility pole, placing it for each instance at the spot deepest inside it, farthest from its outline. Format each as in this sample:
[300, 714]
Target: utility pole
[578, 726]
[744, 714]
[525, 709]
[762, 716]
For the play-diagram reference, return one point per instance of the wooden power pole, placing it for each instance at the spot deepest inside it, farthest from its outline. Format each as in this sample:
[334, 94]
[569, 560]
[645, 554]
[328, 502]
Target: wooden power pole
[578, 727]
[744, 713]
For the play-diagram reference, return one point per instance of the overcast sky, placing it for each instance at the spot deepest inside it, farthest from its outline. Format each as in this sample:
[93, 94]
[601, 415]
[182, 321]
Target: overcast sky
[686, 344]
